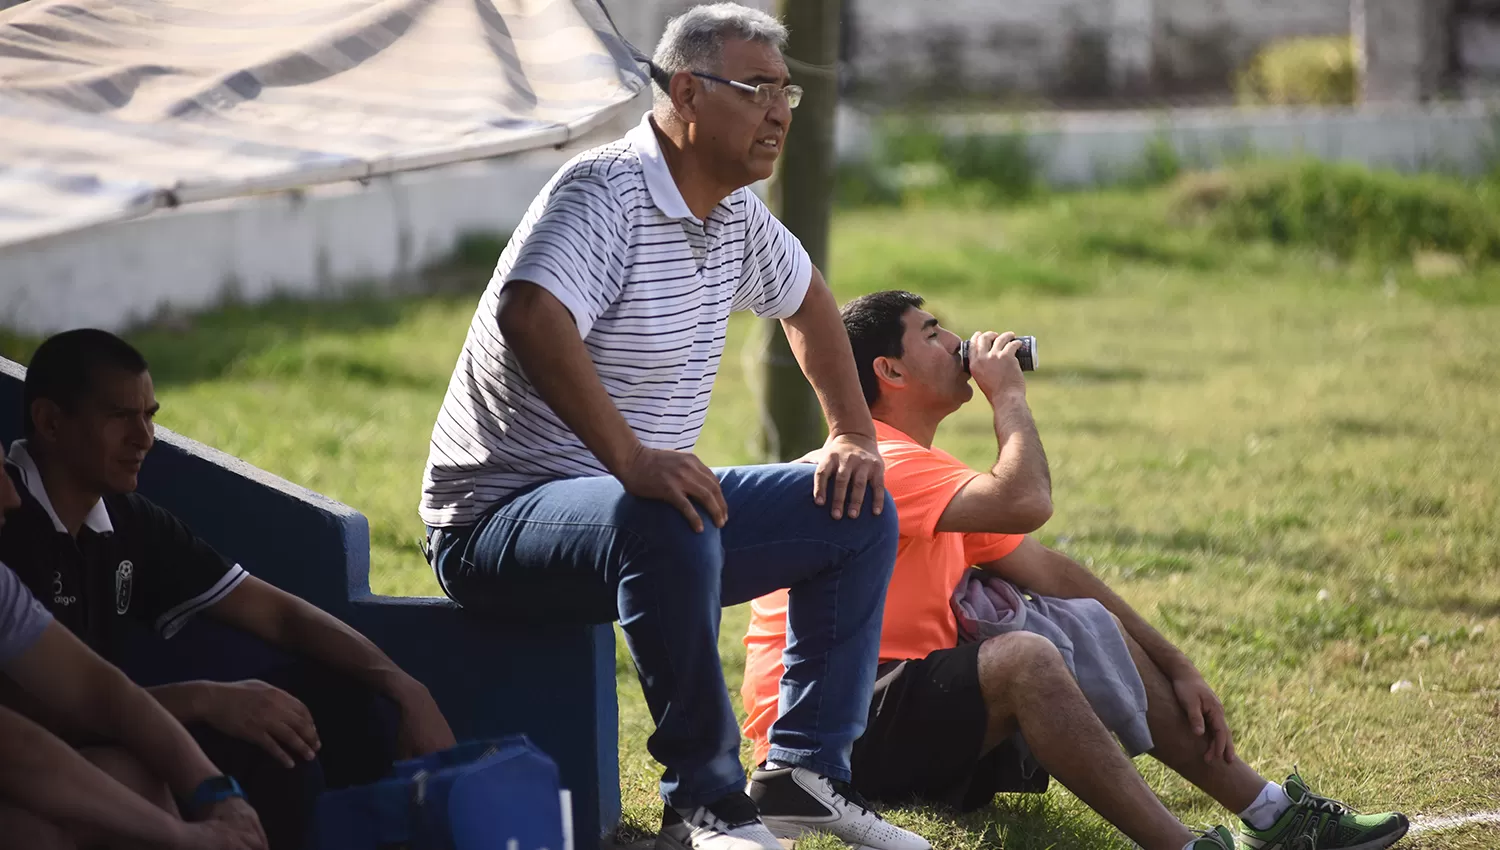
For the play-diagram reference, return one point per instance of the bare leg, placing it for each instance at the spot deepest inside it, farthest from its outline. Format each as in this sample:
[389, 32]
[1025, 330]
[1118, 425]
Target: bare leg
[23, 829]
[1028, 686]
[127, 770]
[1234, 785]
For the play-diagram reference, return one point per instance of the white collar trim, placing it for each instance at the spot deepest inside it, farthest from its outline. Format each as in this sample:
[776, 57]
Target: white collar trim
[659, 182]
[98, 516]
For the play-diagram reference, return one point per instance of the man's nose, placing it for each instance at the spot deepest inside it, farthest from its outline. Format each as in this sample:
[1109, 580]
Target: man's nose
[780, 112]
[144, 433]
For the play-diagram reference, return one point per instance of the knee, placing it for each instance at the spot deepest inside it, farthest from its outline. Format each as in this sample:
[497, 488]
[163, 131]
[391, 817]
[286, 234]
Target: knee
[887, 524]
[662, 535]
[1020, 660]
[1119, 625]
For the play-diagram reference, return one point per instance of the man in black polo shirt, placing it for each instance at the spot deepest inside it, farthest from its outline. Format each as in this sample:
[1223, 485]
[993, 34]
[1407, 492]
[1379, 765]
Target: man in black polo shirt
[98, 555]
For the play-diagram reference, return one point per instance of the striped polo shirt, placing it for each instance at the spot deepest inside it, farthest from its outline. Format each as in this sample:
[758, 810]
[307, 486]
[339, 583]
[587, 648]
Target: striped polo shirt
[650, 287]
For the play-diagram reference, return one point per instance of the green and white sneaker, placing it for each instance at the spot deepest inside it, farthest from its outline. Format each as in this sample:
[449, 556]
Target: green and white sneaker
[1217, 838]
[1318, 823]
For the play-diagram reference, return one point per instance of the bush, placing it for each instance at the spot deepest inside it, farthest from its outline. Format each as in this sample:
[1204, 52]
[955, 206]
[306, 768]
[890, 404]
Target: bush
[1301, 72]
[863, 183]
[921, 166]
[1346, 209]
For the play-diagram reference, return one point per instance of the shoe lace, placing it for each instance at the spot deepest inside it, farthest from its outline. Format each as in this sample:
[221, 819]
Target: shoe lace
[1326, 804]
[852, 797]
[1308, 840]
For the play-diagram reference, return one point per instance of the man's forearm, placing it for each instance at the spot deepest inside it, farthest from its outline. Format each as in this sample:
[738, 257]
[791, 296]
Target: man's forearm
[326, 639]
[821, 345]
[49, 779]
[70, 681]
[540, 332]
[1060, 576]
[140, 722]
[183, 700]
[1022, 462]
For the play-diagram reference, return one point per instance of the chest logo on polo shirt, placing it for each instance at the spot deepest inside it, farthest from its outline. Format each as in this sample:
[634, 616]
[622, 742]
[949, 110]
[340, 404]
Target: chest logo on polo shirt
[124, 580]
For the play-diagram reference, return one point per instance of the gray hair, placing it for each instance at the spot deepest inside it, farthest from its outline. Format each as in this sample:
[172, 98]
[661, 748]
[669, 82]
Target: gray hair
[694, 40]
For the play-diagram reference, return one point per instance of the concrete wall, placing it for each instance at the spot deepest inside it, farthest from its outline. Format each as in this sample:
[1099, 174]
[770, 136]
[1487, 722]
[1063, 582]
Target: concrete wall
[1069, 50]
[1056, 50]
[1081, 149]
[1405, 48]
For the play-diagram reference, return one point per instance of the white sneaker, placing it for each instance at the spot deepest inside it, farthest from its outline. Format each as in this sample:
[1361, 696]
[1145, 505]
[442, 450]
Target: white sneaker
[794, 801]
[730, 823]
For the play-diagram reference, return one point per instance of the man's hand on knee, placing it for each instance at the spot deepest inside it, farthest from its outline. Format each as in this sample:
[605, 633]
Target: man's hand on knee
[678, 478]
[850, 463]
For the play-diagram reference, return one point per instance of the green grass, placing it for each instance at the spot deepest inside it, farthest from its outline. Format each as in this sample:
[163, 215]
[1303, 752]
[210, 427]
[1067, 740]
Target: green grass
[1233, 428]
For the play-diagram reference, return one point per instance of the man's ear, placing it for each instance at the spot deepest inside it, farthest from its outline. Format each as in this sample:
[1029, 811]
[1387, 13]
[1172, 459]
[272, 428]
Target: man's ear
[888, 372]
[46, 416]
[685, 91]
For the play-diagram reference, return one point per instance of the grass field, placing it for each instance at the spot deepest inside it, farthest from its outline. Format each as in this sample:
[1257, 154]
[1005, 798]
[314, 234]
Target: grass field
[1288, 462]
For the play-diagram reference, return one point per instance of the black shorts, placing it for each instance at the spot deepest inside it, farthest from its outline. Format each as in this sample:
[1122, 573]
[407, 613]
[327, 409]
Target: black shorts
[926, 727]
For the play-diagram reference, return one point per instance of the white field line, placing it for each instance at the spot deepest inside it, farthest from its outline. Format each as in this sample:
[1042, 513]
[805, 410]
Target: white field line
[1440, 822]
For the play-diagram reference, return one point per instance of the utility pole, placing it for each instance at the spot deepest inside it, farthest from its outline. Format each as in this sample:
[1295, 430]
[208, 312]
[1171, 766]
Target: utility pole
[802, 197]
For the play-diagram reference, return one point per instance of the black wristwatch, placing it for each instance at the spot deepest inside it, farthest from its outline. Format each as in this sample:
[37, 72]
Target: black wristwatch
[211, 791]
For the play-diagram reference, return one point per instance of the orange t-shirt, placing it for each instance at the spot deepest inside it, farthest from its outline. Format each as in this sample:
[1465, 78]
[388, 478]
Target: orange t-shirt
[918, 617]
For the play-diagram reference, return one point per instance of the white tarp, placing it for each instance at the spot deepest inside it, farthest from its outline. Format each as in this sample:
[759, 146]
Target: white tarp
[112, 108]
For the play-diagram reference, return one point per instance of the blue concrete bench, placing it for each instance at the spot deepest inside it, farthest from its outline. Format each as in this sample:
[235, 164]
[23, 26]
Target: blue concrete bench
[555, 685]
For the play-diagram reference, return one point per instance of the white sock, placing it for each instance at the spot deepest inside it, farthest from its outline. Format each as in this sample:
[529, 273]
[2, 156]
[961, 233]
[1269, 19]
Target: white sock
[774, 765]
[1270, 805]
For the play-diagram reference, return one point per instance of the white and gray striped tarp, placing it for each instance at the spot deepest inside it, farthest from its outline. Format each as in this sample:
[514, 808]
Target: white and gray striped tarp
[112, 108]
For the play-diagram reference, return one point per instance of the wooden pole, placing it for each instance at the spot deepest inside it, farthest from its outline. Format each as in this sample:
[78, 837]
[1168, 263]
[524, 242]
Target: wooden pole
[802, 197]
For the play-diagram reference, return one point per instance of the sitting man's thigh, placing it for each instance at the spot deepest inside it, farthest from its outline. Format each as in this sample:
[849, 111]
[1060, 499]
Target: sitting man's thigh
[925, 740]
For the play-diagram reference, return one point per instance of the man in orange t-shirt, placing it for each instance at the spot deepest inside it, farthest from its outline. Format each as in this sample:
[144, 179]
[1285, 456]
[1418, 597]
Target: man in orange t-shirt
[948, 721]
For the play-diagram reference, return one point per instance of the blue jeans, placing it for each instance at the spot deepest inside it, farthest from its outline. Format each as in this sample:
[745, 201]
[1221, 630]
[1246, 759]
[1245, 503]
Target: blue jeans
[584, 550]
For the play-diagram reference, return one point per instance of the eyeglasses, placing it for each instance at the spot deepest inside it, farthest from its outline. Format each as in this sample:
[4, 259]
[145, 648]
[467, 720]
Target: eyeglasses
[762, 95]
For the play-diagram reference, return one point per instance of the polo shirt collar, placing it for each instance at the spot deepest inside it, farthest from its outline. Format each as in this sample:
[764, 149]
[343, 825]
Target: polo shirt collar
[98, 517]
[659, 182]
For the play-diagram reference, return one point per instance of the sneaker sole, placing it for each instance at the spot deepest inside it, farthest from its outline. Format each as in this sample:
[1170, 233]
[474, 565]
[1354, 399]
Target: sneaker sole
[1382, 842]
[667, 842]
[787, 832]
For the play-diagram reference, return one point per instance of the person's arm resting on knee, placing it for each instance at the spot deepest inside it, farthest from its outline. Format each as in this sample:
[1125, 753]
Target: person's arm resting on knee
[1050, 573]
[545, 338]
[851, 458]
[49, 779]
[298, 626]
[189, 578]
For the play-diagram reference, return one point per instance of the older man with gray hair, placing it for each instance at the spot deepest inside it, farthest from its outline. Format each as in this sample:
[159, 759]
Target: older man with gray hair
[561, 483]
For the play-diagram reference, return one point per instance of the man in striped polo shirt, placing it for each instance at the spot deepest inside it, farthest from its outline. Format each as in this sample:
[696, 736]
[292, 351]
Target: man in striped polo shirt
[561, 483]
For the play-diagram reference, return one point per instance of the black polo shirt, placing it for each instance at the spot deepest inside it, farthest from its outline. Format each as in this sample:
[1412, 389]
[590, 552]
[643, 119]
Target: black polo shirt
[131, 559]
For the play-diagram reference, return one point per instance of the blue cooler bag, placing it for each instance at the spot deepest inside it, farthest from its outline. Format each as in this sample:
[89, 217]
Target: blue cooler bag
[500, 794]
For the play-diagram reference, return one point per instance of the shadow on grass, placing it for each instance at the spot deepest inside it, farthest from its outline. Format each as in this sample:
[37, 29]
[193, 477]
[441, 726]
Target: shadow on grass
[191, 349]
[1263, 540]
[1089, 374]
[1349, 426]
[1480, 607]
[1012, 822]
